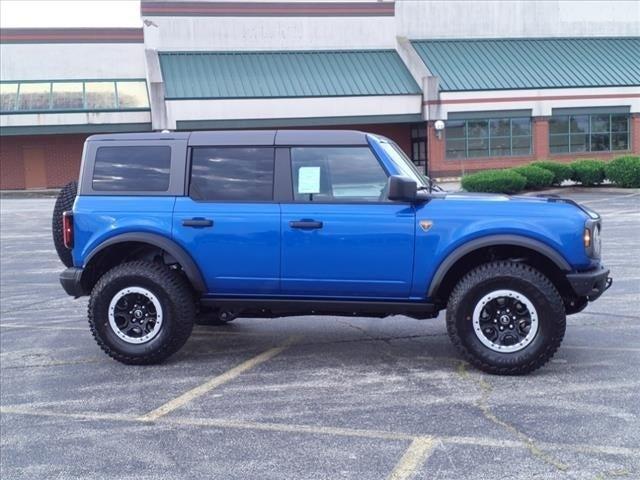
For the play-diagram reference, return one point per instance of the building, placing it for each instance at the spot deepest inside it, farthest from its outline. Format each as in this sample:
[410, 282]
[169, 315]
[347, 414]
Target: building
[513, 81]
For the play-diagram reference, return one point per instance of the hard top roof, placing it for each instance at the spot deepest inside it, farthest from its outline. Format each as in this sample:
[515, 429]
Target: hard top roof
[246, 137]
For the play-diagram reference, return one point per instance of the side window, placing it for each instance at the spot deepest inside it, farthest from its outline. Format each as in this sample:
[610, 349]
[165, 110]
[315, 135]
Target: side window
[133, 169]
[232, 173]
[337, 174]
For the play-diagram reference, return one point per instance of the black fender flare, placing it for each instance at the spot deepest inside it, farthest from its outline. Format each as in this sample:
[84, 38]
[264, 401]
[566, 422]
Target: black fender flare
[190, 268]
[495, 240]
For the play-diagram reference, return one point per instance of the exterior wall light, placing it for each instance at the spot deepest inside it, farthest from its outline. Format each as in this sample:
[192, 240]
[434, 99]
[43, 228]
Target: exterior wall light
[439, 126]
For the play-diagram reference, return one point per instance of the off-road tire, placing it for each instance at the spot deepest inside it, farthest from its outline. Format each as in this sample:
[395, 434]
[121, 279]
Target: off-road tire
[175, 296]
[525, 280]
[64, 202]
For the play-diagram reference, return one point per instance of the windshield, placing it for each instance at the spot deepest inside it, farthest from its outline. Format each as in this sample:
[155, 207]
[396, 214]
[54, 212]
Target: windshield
[403, 163]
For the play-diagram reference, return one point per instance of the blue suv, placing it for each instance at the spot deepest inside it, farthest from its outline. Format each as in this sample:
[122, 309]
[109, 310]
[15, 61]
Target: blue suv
[173, 227]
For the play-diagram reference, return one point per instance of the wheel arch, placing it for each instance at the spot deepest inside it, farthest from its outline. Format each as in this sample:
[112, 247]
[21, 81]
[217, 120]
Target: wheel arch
[125, 245]
[471, 254]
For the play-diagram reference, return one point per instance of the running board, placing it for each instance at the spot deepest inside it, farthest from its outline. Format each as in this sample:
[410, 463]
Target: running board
[269, 307]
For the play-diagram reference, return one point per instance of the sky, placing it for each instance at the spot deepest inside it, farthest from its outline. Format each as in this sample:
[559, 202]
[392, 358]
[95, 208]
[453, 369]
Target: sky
[69, 13]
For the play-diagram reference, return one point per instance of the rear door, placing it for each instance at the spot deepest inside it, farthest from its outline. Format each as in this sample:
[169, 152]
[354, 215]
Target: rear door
[229, 221]
[341, 236]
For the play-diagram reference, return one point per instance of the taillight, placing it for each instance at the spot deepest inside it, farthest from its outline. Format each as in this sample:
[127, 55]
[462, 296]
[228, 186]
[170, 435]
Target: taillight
[67, 229]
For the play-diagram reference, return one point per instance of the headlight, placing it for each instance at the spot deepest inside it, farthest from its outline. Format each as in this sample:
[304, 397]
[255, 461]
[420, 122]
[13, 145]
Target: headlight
[592, 240]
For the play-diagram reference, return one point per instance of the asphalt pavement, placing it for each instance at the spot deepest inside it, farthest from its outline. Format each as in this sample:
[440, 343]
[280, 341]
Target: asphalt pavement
[311, 397]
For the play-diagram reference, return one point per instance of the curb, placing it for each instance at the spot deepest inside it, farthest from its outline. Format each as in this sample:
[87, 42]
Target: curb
[12, 194]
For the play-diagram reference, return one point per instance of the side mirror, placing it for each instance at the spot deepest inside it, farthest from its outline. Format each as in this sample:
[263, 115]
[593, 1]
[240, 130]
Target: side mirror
[402, 189]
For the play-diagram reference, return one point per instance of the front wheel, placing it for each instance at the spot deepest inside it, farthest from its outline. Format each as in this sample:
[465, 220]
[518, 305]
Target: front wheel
[141, 312]
[506, 318]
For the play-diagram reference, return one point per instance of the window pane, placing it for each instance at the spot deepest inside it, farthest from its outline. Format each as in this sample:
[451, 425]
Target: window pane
[337, 174]
[599, 142]
[620, 123]
[478, 147]
[478, 129]
[559, 125]
[599, 123]
[500, 146]
[580, 124]
[454, 129]
[423, 153]
[34, 96]
[100, 95]
[8, 93]
[520, 126]
[521, 145]
[499, 127]
[67, 95]
[132, 169]
[620, 141]
[456, 148]
[559, 143]
[244, 174]
[579, 142]
[132, 95]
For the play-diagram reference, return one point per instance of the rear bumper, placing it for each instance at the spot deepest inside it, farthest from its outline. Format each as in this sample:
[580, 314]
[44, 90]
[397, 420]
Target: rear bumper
[590, 284]
[70, 281]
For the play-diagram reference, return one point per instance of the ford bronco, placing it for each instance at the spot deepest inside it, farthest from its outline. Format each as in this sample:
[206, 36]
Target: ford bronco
[167, 228]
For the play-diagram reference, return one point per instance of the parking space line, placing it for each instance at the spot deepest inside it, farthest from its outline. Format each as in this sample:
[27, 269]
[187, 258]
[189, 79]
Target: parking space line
[41, 327]
[605, 349]
[413, 458]
[324, 430]
[213, 383]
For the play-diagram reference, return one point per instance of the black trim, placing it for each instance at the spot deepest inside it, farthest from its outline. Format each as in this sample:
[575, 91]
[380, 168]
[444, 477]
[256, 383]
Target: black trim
[190, 268]
[590, 284]
[282, 182]
[495, 240]
[70, 279]
[265, 307]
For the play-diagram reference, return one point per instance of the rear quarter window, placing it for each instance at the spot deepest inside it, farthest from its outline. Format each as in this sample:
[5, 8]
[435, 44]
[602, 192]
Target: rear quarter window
[134, 169]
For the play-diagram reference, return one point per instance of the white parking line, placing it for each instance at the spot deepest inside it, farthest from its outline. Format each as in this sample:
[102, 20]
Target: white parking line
[213, 383]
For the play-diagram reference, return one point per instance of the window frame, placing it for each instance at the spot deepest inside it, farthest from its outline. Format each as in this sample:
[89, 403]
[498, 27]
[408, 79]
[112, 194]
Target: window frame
[488, 138]
[589, 133]
[418, 135]
[84, 109]
[188, 176]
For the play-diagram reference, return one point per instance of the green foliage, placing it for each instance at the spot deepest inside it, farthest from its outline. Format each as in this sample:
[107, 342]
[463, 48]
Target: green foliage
[588, 172]
[624, 171]
[537, 178]
[494, 181]
[561, 171]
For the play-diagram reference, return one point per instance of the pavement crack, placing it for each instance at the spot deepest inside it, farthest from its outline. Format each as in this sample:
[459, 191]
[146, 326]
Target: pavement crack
[483, 404]
[363, 331]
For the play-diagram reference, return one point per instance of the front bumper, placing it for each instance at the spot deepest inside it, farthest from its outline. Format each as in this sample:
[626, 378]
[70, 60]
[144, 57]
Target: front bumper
[590, 284]
[70, 279]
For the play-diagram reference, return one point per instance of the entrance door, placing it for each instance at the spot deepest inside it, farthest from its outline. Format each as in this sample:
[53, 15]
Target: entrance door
[35, 173]
[341, 237]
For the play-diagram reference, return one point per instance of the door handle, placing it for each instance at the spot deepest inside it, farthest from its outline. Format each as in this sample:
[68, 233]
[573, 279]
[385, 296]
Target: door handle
[305, 224]
[197, 222]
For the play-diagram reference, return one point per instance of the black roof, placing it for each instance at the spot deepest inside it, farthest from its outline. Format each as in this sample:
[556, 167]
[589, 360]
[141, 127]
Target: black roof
[247, 137]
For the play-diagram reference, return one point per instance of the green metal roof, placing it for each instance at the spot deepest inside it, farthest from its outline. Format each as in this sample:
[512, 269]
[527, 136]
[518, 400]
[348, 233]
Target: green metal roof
[198, 75]
[506, 64]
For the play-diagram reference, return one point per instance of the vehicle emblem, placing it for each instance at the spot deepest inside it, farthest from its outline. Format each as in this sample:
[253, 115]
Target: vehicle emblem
[426, 225]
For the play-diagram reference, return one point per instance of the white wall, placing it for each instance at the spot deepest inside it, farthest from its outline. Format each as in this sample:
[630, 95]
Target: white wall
[89, 118]
[282, 108]
[422, 19]
[55, 61]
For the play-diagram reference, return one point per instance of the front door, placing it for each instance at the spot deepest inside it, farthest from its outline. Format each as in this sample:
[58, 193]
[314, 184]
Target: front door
[341, 237]
[35, 173]
[229, 222]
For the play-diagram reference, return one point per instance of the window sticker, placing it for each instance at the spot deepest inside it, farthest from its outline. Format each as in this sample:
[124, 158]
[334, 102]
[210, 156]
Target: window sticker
[309, 180]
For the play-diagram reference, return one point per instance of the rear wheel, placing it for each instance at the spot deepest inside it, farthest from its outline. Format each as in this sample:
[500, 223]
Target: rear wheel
[64, 202]
[141, 312]
[506, 318]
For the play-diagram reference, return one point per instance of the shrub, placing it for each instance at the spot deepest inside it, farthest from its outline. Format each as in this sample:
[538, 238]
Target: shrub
[588, 172]
[624, 171]
[561, 171]
[537, 177]
[494, 181]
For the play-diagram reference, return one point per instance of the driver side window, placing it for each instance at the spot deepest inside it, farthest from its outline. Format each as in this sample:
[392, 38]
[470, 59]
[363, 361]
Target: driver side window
[337, 174]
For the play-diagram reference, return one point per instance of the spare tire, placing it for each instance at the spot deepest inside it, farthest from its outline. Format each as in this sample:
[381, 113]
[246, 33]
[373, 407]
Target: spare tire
[64, 202]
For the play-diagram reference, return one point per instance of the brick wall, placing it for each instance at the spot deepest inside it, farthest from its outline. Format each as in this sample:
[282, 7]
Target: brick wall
[440, 167]
[62, 158]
